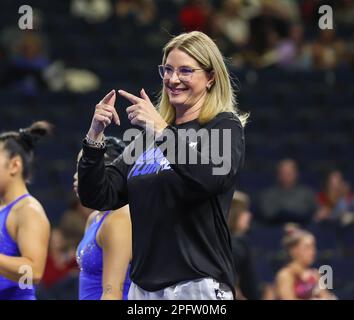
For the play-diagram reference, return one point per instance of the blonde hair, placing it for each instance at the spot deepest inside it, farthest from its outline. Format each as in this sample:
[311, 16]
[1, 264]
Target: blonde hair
[221, 96]
[240, 203]
[293, 235]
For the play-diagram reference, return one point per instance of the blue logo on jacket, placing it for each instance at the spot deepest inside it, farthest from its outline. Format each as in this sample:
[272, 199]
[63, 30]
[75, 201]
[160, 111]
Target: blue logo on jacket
[152, 161]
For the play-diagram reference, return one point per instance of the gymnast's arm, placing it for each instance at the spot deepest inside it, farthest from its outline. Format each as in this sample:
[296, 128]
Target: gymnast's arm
[32, 237]
[101, 187]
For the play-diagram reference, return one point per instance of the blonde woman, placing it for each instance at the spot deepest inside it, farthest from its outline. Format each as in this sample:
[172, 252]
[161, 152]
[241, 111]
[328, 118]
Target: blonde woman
[179, 207]
[297, 280]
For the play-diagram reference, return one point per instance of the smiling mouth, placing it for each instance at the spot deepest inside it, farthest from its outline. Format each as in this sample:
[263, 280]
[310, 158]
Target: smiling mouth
[176, 90]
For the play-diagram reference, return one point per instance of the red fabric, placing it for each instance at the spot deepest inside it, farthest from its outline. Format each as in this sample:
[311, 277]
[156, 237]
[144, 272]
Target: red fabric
[194, 18]
[53, 273]
[308, 10]
[322, 199]
[305, 289]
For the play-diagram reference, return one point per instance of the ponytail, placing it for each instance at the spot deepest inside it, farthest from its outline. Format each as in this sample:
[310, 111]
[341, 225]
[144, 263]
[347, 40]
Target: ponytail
[23, 142]
[293, 235]
[30, 136]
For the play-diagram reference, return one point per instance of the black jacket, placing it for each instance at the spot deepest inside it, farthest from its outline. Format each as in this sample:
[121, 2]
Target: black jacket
[178, 211]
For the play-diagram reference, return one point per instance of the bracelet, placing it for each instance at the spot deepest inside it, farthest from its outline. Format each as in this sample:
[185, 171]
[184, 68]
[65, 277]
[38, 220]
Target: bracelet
[95, 144]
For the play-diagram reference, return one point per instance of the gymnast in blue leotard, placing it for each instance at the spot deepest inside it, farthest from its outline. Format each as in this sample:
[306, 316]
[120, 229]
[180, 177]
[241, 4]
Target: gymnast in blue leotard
[104, 253]
[24, 227]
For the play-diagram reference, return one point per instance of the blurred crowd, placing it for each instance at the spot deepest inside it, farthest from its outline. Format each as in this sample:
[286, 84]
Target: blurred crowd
[290, 201]
[252, 33]
[294, 207]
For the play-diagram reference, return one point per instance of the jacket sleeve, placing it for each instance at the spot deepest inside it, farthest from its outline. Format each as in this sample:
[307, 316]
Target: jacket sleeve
[210, 174]
[101, 187]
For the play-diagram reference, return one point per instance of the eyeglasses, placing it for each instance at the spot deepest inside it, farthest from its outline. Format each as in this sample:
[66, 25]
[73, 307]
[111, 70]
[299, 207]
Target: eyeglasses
[183, 73]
